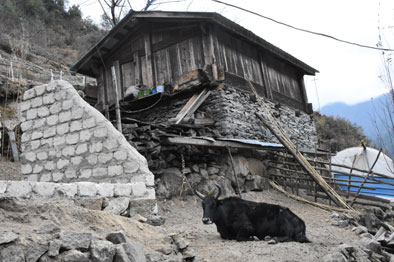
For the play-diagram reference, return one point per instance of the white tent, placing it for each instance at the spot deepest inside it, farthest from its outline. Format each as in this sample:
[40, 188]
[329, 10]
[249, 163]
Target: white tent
[364, 160]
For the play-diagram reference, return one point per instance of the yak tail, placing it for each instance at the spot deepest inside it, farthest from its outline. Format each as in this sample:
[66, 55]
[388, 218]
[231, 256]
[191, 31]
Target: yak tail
[301, 237]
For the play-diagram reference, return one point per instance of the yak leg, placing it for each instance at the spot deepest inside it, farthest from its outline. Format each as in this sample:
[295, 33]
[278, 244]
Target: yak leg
[244, 232]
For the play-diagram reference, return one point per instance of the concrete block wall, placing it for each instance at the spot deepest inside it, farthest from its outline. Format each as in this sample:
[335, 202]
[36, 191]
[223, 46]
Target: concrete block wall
[66, 140]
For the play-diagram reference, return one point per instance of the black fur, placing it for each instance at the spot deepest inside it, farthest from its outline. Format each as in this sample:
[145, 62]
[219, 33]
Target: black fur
[240, 219]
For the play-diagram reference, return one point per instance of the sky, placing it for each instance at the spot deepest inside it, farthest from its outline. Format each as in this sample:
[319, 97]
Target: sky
[347, 73]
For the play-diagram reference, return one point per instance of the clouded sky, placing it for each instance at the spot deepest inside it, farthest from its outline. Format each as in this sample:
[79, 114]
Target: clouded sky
[348, 73]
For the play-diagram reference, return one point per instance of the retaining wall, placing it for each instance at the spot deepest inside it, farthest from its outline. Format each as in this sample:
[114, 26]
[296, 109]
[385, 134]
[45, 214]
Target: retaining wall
[66, 140]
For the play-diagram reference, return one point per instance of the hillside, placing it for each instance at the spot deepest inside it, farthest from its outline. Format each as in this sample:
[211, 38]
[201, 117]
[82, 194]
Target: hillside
[364, 115]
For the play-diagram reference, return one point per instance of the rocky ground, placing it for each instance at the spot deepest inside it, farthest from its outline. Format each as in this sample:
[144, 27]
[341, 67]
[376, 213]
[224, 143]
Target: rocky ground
[184, 217]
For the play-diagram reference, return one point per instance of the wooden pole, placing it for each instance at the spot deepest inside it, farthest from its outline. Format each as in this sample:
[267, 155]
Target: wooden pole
[235, 174]
[280, 135]
[117, 107]
[365, 179]
[280, 189]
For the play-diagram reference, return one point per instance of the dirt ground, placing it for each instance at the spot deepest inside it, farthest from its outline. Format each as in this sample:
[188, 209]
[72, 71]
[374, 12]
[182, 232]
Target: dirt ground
[184, 217]
[9, 170]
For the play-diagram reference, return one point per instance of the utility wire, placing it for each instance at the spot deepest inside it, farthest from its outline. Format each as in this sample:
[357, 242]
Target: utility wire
[304, 30]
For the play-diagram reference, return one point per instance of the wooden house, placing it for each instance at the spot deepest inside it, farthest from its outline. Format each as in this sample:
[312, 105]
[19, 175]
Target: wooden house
[152, 48]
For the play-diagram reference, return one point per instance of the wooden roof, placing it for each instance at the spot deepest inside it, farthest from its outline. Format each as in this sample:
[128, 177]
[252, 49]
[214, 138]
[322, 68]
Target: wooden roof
[131, 23]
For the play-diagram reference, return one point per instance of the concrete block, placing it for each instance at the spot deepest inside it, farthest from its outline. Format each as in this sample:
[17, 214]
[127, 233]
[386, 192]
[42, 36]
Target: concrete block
[138, 189]
[105, 189]
[99, 172]
[29, 94]
[39, 123]
[51, 86]
[77, 113]
[104, 157]
[67, 104]
[115, 170]
[36, 135]
[61, 163]
[50, 165]
[87, 189]
[92, 159]
[42, 155]
[36, 102]
[48, 99]
[26, 125]
[43, 111]
[66, 189]
[20, 189]
[25, 137]
[84, 135]
[52, 120]
[3, 186]
[65, 116]
[55, 108]
[96, 147]
[62, 128]
[76, 160]
[72, 139]
[45, 189]
[82, 148]
[49, 132]
[111, 143]
[59, 140]
[40, 90]
[68, 151]
[122, 190]
[130, 167]
[88, 123]
[32, 178]
[29, 156]
[75, 126]
[37, 169]
[35, 144]
[47, 177]
[120, 155]
[60, 95]
[85, 173]
[70, 173]
[57, 176]
[100, 132]
[23, 106]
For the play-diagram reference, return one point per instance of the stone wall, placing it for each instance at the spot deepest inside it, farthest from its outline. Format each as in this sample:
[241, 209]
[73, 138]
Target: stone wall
[66, 140]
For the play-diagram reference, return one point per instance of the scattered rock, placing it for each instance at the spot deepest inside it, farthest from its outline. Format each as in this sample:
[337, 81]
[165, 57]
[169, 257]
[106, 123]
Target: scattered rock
[130, 252]
[90, 203]
[118, 205]
[155, 220]
[102, 251]
[272, 241]
[12, 253]
[371, 244]
[73, 256]
[48, 227]
[75, 240]
[180, 242]
[36, 250]
[8, 237]
[117, 237]
[54, 247]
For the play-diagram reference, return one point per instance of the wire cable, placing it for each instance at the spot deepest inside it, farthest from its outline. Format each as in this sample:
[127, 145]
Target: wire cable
[305, 30]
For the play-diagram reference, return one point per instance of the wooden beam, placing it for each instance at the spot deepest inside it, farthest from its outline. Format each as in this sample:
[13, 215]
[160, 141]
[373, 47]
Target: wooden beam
[149, 60]
[192, 105]
[137, 69]
[115, 78]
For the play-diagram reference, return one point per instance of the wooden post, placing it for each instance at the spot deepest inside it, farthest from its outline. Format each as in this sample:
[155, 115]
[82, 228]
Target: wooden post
[117, 107]
[137, 69]
[149, 60]
[350, 177]
[235, 174]
[14, 148]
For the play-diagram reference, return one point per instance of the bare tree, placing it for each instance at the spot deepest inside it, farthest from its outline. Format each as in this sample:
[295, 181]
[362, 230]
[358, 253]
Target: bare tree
[114, 10]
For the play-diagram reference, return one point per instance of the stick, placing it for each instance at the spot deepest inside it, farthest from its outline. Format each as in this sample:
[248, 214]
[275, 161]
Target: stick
[235, 174]
[350, 177]
[322, 206]
[366, 177]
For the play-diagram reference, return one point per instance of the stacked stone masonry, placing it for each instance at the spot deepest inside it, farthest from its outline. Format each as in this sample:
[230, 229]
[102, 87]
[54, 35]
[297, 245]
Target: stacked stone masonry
[66, 140]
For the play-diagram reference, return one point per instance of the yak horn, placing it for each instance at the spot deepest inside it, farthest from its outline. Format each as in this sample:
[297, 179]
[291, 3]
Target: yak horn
[219, 190]
[199, 194]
